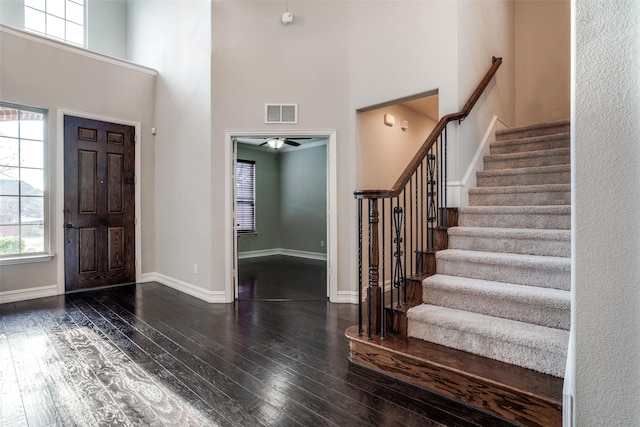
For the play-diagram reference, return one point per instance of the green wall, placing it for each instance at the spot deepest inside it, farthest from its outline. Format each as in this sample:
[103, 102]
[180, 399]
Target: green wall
[291, 200]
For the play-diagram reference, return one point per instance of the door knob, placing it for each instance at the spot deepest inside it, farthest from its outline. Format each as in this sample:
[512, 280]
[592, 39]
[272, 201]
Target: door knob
[69, 225]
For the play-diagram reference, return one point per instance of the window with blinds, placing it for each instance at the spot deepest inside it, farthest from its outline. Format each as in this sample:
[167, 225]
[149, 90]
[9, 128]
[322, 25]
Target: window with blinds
[246, 196]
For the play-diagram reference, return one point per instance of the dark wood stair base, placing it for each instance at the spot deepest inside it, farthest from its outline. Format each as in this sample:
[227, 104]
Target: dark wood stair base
[519, 395]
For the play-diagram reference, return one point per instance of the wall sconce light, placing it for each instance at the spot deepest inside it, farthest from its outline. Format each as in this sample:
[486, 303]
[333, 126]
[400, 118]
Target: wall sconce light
[389, 120]
[404, 125]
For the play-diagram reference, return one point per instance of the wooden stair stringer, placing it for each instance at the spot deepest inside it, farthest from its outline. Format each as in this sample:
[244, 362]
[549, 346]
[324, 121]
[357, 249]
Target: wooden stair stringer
[522, 396]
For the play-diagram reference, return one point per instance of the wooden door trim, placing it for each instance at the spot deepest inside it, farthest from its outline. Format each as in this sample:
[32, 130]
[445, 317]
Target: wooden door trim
[57, 220]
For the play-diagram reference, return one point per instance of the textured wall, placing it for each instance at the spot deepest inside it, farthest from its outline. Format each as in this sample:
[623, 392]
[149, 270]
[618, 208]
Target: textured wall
[604, 366]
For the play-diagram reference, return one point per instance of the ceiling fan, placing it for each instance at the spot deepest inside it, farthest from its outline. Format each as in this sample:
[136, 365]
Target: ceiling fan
[279, 142]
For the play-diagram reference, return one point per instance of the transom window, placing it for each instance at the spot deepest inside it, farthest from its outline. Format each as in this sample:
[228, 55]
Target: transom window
[246, 196]
[22, 181]
[59, 19]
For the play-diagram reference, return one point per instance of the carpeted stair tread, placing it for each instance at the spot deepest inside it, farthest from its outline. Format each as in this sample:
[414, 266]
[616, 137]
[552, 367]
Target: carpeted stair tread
[555, 156]
[521, 195]
[537, 129]
[555, 174]
[532, 304]
[526, 241]
[541, 217]
[533, 143]
[523, 344]
[532, 270]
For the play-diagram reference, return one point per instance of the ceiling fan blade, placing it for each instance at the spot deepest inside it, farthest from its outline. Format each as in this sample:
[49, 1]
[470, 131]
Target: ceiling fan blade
[264, 143]
[293, 143]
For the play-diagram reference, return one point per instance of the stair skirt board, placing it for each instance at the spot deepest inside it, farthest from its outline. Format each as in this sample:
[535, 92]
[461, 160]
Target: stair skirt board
[520, 395]
[529, 346]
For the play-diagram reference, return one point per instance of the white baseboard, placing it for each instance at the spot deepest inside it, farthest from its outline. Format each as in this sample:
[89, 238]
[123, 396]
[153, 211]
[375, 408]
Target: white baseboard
[187, 288]
[281, 251]
[30, 293]
[346, 297]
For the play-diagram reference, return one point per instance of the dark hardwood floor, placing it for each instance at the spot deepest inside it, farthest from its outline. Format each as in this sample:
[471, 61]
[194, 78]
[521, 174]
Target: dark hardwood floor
[281, 277]
[149, 355]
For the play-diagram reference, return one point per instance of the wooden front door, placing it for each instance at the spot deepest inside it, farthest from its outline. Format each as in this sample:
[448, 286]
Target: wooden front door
[99, 203]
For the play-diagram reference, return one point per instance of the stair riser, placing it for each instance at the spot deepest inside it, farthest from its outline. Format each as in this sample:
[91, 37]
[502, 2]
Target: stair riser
[499, 307]
[492, 348]
[536, 145]
[559, 248]
[497, 163]
[520, 198]
[507, 134]
[537, 221]
[541, 277]
[523, 179]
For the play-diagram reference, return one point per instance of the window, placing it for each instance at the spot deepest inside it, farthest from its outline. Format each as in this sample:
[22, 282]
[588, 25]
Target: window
[22, 181]
[59, 19]
[246, 196]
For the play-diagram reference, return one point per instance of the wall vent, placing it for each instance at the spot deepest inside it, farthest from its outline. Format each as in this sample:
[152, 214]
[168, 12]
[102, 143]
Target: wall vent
[281, 113]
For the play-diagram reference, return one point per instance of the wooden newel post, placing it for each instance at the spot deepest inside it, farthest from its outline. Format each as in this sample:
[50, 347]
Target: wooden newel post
[373, 290]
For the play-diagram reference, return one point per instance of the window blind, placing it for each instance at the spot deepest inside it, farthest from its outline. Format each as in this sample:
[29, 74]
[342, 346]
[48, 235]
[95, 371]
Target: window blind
[246, 196]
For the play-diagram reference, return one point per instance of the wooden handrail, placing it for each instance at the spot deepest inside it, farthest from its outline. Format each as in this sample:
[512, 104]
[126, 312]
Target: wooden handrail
[431, 139]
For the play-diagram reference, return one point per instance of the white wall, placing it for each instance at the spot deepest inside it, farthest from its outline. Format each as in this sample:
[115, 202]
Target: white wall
[40, 73]
[485, 29]
[174, 37]
[384, 151]
[542, 60]
[258, 60]
[604, 366]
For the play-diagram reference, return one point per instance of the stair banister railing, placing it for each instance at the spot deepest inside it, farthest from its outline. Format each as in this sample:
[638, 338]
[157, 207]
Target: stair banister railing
[415, 198]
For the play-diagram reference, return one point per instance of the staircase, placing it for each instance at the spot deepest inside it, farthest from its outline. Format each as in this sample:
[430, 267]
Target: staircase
[502, 289]
[490, 328]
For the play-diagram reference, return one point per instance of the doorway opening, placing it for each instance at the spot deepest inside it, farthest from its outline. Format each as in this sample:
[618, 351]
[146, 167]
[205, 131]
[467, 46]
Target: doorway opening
[287, 252]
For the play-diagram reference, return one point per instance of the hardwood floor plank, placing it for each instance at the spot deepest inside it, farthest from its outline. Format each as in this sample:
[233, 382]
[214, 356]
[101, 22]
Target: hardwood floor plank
[11, 408]
[235, 366]
[150, 355]
[169, 407]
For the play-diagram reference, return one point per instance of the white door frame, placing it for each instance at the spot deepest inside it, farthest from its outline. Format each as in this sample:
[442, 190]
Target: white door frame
[332, 220]
[60, 190]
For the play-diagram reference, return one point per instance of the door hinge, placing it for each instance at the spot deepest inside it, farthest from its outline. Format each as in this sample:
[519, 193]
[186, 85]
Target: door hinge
[135, 221]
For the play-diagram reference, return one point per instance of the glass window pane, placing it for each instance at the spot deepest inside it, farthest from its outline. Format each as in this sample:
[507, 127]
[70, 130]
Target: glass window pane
[10, 240]
[55, 7]
[9, 210]
[9, 122]
[75, 12]
[55, 27]
[9, 181]
[36, 4]
[75, 33]
[80, 2]
[32, 129]
[32, 237]
[31, 154]
[32, 182]
[32, 210]
[8, 153]
[34, 20]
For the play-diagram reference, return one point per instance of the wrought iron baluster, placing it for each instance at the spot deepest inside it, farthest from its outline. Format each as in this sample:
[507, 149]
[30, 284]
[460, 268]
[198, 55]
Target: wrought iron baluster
[398, 272]
[432, 210]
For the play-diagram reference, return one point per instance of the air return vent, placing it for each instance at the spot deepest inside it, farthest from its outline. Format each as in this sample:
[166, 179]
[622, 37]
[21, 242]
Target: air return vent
[281, 113]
